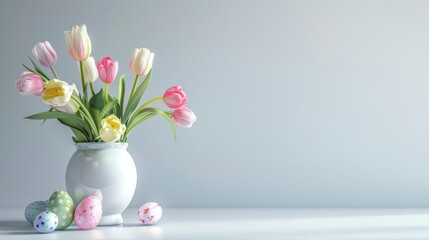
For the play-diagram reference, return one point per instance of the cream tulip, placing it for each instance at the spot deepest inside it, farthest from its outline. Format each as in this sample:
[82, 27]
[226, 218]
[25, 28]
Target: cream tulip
[111, 129]
[58, 94]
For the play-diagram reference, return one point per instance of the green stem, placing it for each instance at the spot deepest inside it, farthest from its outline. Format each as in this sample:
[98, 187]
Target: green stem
[132, 124]
[92, 88]
[86, 115]
[82, 76]
[54, 72]
[136, 81]
[106, 93]
[91, 123]
[149, 102]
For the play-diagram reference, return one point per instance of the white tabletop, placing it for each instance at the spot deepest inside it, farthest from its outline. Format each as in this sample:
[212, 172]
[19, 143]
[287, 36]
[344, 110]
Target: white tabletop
[246, 223]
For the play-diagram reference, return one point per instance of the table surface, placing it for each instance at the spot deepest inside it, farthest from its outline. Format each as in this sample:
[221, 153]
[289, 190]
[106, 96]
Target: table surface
[258, 223]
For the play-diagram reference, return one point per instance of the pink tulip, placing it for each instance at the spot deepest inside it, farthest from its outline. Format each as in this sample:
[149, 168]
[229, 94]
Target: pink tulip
[175, 98]
[184, 117]
[45, 54]
[107, 69]
[30, 84]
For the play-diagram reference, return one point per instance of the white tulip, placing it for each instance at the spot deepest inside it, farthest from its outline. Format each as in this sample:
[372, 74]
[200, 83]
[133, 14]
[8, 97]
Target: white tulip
[89, 69]
[141, 61]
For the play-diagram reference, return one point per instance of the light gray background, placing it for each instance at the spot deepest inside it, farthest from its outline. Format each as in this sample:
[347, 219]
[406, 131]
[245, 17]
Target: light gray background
[299, 103]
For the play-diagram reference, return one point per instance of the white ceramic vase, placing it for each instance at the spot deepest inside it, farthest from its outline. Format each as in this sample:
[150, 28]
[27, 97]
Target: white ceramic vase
[107, 167]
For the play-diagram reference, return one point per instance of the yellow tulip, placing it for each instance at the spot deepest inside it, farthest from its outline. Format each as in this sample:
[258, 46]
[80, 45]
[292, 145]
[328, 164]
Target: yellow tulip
[111, 129]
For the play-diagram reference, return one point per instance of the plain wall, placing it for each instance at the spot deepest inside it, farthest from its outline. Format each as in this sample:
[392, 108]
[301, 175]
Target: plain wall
[299, 103]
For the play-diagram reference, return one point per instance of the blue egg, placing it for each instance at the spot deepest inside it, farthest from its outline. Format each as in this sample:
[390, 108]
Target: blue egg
[34, 208]
[45, 222]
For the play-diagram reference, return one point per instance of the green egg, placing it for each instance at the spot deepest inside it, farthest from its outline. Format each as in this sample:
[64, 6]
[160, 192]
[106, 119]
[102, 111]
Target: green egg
[62, 205]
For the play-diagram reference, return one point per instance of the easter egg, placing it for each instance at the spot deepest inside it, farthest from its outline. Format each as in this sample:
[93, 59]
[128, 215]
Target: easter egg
[88, 213]
[45, 222]
[62, 205]
[150, 213]
[34, 208]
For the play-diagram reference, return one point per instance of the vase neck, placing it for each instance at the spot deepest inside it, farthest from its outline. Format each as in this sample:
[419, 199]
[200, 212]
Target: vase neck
[100, 146]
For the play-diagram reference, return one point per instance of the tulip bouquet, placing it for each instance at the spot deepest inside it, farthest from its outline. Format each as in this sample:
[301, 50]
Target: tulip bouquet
[98, 116]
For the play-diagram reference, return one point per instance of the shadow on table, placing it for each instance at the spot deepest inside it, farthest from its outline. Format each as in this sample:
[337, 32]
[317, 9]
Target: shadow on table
[17, 227]
[133, 225]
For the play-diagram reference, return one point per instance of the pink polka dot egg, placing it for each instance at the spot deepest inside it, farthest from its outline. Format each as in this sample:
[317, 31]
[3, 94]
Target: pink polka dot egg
[150, 213]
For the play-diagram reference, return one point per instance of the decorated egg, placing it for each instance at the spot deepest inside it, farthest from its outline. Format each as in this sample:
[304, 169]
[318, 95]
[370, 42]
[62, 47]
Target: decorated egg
[150, 213]
[62, 205]
[34, 208]
[88, 213]
[45, 222]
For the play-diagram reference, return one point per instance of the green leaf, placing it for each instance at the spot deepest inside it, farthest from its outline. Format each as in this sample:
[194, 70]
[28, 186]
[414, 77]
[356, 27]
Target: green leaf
[135, 121]
[38, 69]
[79, 135]
[139, 119]
[107, 108]
[31, 70]
[121, 96]
[99, 109]
[148, 113]
[97, 101]
[96, 105]
[115, 108]
[95, 114]
[67, 119]
[135, 99]
[50, 110]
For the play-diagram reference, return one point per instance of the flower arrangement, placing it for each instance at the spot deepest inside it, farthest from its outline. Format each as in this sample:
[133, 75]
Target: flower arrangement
[98, 116]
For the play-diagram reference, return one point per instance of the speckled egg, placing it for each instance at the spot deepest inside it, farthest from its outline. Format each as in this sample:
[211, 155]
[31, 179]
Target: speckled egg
[150, 213]
[88, 213]
[62, 205]
[34, 208]
[45, 222]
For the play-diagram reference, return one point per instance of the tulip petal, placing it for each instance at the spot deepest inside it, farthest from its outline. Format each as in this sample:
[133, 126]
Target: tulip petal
[149, 64]
[78, 43]
[184, 117]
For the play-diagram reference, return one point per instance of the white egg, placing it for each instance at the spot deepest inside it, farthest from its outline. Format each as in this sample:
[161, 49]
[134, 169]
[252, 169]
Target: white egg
[150, 213]
[45, 222]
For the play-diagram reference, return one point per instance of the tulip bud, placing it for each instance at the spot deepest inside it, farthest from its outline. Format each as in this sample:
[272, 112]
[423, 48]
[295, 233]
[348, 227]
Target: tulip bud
[45, 54]
[141, 61]
[111, 129]
[58, 95]
[78, 43]
[89, 70]
[184, 117]
[175, 97]
[107, 69]
[30, 84]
